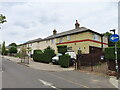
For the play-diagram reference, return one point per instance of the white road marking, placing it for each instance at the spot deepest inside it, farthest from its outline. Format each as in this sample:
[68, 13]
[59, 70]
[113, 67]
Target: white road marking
[47, 83]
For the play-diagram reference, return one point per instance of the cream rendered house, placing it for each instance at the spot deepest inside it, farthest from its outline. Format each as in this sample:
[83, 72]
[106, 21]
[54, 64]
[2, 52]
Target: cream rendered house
[80, 37]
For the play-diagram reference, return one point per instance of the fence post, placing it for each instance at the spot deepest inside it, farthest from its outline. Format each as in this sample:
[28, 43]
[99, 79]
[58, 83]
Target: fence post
[91, 67]
[76, 63]
[78, 58]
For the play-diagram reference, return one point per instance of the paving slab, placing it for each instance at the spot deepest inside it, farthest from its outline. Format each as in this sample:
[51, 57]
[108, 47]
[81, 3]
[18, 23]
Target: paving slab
[39, 65]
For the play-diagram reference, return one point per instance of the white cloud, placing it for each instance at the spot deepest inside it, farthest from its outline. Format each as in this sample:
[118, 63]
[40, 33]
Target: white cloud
[30, 20]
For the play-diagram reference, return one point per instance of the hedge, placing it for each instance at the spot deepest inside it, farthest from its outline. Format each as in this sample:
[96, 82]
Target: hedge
[62, 49]
[64, 60]
[6, 52]
[38, 57]
[49, 54]
[110, 53]
[13, 50]
[38, 51]
[45, 56]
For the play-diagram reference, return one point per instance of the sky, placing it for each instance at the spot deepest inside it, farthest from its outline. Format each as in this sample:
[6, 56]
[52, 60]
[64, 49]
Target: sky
[31, 19]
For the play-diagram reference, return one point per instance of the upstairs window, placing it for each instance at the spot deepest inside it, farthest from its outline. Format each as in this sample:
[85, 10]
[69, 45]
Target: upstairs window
[52, 41]
[95, 37]
[68, 37]
[60, 40]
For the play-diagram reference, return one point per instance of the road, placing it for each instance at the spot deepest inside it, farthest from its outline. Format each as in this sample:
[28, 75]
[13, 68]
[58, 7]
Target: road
[20, 76]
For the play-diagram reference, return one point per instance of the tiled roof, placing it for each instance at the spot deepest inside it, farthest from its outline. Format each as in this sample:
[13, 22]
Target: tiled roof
[35, 40]
[31, 41]
[69, 32]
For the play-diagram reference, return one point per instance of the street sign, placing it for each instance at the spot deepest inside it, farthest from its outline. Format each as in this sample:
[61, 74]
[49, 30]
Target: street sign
[114, 38]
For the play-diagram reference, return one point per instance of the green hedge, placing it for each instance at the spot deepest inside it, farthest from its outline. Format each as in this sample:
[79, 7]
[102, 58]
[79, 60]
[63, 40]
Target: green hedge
[6, 52]
[13, 50]
[64, 60]
[37, 51]
[38, 57]
[49, 54]
[110, 53]
[45, 56]
[62, 49]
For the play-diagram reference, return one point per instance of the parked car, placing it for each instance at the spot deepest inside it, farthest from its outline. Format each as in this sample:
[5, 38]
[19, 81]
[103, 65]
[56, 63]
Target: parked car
[72, 57]
[56, 58]
[72, 54]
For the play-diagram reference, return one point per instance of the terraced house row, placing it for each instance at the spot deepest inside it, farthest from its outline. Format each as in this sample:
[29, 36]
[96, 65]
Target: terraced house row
[79, 37]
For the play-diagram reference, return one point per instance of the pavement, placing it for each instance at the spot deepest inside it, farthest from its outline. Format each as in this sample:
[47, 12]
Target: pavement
[115, 82]
[39, 65]
[50, 67]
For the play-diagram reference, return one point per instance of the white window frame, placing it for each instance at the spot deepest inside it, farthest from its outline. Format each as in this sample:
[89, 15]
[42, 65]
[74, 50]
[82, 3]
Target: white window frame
[95, 37]
[52, 41]
[60, 40]
[68, 37]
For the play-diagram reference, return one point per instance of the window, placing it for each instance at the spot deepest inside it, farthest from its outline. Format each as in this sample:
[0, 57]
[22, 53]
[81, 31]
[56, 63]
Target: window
[52, 41]
[60, 40]
[95, 37]
[68, 37]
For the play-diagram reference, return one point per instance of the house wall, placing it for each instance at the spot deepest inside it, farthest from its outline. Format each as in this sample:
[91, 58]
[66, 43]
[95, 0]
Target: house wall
[46, 43]
[80, 40]
[83, 41]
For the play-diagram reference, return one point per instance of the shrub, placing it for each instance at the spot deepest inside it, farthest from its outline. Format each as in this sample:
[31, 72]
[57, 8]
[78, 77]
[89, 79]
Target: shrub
[13, 50]
[64, 60]
[45, 56]
[49, 54]
[110, 53]
[38, 51]
[6, 52]
[38, 57]
[17, 55]
[62, 49]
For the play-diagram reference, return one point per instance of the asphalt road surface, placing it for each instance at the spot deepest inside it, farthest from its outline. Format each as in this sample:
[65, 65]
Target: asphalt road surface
[19, 76]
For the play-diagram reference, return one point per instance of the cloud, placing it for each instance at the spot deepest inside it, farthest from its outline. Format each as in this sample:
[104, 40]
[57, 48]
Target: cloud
[30, 20]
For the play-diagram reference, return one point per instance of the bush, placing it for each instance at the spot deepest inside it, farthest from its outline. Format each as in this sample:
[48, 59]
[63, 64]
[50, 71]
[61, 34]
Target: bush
[37, 51]
[38, 57]
[62, 49]
[64, 60]
[6, 52]
[17, 55]
[110, 53]
[12, 50]
[45, 56]
[49, 54]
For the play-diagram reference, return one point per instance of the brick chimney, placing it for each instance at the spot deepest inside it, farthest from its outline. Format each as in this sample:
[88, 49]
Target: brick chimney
[54, 32]
[77, 25]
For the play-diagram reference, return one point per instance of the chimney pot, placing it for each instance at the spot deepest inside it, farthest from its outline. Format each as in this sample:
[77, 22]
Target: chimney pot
[77, 25]
[54, 32]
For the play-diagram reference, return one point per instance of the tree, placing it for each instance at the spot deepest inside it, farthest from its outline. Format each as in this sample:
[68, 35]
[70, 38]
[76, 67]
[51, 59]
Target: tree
[2, 19]
[110, 44]
[13, 45]
[13, 50]
[3, 48]
[22, 54]
[118, 43]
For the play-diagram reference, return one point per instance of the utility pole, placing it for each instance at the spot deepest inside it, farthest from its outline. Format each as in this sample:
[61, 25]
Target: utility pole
[116, 58]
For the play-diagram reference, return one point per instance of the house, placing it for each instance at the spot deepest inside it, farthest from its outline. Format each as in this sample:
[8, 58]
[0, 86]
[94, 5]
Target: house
[31, 44]
[79, 37]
